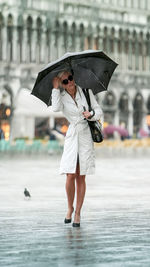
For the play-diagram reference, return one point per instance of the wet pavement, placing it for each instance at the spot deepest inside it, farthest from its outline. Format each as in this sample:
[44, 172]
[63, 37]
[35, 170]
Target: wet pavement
[115, 220]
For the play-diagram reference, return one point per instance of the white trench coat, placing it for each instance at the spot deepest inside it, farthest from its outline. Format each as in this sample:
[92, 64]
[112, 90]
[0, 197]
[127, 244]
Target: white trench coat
[78, 139]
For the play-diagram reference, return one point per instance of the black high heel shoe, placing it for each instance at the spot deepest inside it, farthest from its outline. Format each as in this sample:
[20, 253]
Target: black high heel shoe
[76, 224]
[68, 220]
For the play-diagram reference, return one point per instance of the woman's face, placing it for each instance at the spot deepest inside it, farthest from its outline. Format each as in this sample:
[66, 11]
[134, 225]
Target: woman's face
[67, 81]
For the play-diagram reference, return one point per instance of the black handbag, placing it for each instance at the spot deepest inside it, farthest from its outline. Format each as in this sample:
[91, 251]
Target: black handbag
[95, 126]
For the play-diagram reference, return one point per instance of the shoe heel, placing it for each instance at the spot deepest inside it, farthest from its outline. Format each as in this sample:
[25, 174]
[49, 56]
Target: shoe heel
[67, 220]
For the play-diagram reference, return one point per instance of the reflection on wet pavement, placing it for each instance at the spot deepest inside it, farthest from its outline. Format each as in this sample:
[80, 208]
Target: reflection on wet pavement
[115, 229]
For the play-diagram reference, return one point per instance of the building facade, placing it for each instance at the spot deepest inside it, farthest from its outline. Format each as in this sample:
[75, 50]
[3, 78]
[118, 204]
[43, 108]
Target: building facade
[34, 32]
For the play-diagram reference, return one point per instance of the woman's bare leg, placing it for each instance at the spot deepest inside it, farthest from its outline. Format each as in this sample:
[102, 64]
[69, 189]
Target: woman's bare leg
[81, 188]
[70, 190]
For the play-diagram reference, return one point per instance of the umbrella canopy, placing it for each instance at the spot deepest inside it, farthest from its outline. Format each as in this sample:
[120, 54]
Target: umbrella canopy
[110, 129]
[143, 133]
[122, 131]
[91, 69]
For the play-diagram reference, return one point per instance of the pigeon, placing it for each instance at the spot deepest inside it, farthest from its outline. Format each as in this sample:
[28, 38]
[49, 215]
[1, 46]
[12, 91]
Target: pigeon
[26, 193]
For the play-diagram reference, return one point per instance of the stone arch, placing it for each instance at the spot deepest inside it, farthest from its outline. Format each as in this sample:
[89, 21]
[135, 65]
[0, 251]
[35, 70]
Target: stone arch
[10, 36]
[56, 31]
[138, 103]
[73, 35]
[39, 22]
[148, 104]
[142, 50]
[105, 39]
[1, 19]
[109, 107]
[105, 30]
[65, 26]
[120, 32]
[29, 27]
[74, 27]
[48, 34]
[9, 92]
[134, 39]
[6, 109]
[20, 27]
[10, 20]
[123, 102]
[140, 41]
[82, 36]
[97, 29]
[97, 37]
[57, 25]
[134, 34]
[29, 22]
[120, 37]
[126, 46]
[81, 28]
[89, 36]
[112, 40]
[39, 30]
[124, 109]
[65, 35]
[148, 36]
[134, 50]
[109, 99]
[128, 49]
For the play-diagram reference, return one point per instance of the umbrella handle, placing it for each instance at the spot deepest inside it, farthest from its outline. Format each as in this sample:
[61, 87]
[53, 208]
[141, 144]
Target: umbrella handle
[84, 110]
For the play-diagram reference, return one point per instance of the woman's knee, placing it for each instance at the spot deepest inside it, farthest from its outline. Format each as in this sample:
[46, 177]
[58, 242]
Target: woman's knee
[71, 176]
[80, 179]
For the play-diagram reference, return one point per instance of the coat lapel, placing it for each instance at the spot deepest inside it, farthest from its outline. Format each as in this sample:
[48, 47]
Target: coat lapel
[80, 98]
[67, 98]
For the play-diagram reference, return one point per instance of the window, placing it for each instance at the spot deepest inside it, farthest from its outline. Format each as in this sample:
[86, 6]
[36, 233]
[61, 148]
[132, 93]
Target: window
[109, 99]
[82, 38]
[148, 104]
[10, 37]
[39, 38]
[29, 38]
[65, 33]
[73, 33]
[123, 103]
[138, 112]
[48, 33]
[1, 38]
[20, 37]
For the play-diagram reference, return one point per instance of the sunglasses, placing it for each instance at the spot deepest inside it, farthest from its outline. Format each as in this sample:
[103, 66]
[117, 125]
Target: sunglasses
[70, 78]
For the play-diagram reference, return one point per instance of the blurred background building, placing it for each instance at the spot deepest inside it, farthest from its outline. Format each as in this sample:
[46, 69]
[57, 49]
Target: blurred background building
[35, 32]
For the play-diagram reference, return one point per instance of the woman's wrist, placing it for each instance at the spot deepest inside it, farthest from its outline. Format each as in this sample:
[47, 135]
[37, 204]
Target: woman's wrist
[92, 112]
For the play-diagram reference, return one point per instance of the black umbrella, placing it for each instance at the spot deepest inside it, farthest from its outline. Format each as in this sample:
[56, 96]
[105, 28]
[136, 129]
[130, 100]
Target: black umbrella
[91, 69]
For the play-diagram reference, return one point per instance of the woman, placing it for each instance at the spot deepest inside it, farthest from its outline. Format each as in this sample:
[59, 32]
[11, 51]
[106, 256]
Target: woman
[78, 156]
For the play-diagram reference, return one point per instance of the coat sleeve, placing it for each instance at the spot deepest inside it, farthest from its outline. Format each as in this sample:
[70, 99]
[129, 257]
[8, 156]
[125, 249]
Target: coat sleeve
[95, 106]
[57, 104]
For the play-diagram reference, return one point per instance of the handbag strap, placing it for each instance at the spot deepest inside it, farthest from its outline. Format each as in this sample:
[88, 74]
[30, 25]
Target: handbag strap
[87, 96]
